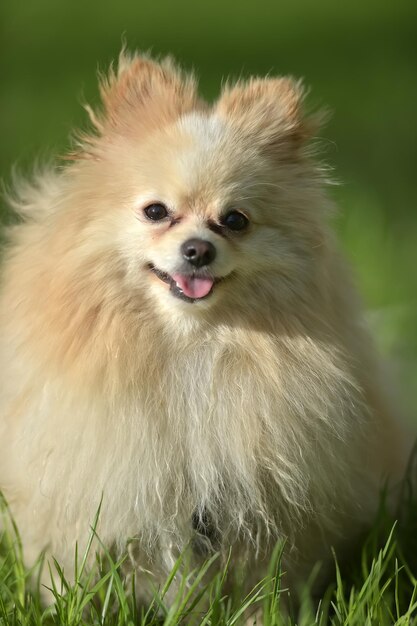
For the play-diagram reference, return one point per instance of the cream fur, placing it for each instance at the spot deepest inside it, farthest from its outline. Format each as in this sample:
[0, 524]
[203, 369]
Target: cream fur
[262, 405]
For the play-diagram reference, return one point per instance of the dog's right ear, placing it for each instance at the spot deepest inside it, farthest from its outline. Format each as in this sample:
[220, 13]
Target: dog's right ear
[141, 82]
[141, 87]
[140, 94]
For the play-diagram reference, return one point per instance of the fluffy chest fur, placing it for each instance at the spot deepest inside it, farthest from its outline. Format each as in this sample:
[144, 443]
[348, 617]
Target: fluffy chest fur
[243, 425]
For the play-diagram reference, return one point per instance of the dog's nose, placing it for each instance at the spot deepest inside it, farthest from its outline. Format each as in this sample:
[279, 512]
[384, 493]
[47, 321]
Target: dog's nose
[198, 252]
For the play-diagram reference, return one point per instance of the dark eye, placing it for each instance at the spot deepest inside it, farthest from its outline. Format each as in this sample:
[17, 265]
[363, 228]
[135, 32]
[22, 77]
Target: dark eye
[156, 211]
[234, 220]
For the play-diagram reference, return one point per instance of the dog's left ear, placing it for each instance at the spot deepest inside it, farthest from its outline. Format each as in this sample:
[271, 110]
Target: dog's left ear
[270, 112]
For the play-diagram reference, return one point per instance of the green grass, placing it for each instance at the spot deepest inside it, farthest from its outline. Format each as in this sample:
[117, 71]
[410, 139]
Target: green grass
[377, 587]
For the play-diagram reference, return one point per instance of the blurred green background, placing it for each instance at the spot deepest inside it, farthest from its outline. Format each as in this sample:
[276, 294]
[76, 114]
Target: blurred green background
[359, 58]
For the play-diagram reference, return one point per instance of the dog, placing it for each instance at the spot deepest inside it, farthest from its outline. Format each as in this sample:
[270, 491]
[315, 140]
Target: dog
[180, 339]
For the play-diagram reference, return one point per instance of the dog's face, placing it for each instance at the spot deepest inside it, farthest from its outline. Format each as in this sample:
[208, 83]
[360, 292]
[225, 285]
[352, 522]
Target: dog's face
[198, 223]
[204, 205]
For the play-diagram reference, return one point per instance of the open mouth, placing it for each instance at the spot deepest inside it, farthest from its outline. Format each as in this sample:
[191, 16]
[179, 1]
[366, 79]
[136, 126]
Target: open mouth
[189, 287]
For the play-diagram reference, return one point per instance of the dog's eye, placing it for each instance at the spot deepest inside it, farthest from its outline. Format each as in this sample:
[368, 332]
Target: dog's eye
[234, 220]
[156, 211]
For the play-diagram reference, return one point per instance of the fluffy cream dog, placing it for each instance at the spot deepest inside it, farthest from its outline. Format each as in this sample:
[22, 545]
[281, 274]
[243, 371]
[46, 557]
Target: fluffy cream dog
[179, 335]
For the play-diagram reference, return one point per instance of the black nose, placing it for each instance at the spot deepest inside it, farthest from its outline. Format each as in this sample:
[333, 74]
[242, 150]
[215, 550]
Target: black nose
[198, 252]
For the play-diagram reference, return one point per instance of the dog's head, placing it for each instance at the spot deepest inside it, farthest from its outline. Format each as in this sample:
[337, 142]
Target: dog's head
[204, 204]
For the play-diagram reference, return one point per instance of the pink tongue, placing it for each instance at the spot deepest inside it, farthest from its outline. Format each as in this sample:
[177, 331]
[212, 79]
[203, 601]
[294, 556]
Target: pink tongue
[192, 286]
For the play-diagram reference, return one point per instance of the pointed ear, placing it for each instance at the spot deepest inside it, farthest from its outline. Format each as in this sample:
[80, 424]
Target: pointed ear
[141, 82]
[141, 94]
[269, 111]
